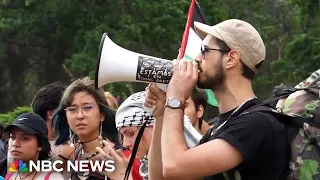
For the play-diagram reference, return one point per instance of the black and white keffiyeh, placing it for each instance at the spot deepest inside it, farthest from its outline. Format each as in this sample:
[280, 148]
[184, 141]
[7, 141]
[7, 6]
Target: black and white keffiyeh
[132, 113]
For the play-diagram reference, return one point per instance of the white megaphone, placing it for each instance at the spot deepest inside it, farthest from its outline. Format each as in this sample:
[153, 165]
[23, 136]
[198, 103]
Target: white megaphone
[116, 64]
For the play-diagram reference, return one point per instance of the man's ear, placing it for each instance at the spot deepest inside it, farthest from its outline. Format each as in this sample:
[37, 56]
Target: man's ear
[234, 59]
[200, 111]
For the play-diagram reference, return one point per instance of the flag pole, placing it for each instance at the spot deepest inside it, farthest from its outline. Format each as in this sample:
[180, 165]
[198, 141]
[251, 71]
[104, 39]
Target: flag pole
[182, 49]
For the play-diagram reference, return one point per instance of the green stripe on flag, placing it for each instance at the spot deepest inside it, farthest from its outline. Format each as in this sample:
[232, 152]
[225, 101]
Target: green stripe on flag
[188, 57]
[211, 98]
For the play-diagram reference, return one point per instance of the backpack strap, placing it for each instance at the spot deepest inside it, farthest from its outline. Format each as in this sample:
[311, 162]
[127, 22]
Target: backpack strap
[292, 126]
[47, 175]
[284, 118]
[274, 99]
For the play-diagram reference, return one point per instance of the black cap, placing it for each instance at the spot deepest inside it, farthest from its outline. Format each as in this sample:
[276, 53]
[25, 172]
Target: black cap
[30, 123]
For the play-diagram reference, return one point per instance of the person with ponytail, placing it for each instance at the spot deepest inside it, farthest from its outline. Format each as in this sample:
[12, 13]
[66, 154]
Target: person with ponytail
[85, 122]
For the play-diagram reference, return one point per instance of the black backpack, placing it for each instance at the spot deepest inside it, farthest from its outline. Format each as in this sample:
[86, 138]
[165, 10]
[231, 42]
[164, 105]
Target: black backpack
[301, 115]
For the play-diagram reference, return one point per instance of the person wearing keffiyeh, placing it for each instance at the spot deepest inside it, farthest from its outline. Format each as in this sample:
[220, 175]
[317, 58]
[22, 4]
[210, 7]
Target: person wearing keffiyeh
[130, 117]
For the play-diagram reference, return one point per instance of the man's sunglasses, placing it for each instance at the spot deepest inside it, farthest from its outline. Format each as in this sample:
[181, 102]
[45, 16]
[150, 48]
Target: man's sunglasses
[205, 49]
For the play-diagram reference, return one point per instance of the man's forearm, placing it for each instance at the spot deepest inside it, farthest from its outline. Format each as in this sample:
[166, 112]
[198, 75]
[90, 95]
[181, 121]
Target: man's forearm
[172, 139]
[155, 158]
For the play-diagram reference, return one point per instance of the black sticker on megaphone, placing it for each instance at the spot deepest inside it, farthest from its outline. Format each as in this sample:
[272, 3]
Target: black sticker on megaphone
[154, 70]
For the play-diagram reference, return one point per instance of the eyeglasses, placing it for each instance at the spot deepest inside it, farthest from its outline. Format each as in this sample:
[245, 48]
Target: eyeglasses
[86, 110]
[205, 49]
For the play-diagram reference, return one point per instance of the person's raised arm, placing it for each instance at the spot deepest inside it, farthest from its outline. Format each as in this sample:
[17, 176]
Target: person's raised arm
[155, 96]
[178, 161]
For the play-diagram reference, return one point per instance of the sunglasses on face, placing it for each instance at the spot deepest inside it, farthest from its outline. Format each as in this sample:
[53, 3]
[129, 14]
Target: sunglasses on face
[204, 49]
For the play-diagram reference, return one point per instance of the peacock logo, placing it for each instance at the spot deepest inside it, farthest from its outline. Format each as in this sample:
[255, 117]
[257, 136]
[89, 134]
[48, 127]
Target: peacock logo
[18, 166]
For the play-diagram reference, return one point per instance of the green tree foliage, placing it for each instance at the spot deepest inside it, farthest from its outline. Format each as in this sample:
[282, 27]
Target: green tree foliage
[45, 41]
[9, 117]
[302, 58]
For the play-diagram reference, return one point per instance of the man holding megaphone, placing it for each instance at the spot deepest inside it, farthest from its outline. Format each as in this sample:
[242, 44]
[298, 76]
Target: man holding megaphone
[247, 147]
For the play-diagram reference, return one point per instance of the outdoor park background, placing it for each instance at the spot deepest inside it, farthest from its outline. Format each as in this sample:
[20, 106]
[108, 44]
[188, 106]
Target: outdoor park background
[43, 41]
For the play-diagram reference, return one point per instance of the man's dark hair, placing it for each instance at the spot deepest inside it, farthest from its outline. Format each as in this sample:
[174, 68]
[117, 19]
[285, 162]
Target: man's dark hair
[43, 142]
[199, 97]
[47, 98]
[246, 72]
[222, 45]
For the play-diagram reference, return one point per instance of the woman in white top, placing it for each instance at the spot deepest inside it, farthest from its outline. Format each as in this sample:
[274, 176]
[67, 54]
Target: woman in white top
[28, 141]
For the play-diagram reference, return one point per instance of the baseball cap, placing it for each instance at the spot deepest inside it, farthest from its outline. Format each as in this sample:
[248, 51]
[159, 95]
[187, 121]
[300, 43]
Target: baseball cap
[29, 123]
[239, 35]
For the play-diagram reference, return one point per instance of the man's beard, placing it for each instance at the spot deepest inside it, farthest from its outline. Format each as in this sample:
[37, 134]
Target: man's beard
[212, 82]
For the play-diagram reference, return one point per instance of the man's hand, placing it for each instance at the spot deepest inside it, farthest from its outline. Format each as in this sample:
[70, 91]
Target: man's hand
[184, 79]
[155, 97]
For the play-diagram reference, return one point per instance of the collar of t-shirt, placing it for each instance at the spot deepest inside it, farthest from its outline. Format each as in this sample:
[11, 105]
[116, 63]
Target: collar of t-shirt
[224, 116]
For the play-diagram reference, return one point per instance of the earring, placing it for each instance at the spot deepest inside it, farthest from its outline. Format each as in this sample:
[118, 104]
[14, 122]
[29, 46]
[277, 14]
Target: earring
[100, 135]
[71, 138]
[38, 154]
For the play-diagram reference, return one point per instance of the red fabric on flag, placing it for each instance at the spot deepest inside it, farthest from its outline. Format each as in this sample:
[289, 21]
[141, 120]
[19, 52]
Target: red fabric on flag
[186, 31]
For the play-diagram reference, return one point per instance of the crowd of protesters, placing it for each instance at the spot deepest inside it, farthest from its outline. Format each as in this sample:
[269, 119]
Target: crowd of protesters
[75, 121]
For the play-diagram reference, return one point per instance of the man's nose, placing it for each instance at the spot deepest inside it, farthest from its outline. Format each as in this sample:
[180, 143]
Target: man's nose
[199, 58]
[127, 142]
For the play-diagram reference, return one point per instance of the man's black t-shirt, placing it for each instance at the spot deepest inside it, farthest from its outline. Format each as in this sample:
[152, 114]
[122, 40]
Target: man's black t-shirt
[261, 140]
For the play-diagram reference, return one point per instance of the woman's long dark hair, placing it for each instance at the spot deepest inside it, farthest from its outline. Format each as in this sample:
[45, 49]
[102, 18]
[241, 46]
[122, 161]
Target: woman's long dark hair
[60, 122]
[43, 142]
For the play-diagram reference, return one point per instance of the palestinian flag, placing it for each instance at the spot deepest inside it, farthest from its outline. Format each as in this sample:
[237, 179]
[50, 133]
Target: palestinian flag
[191, 42]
